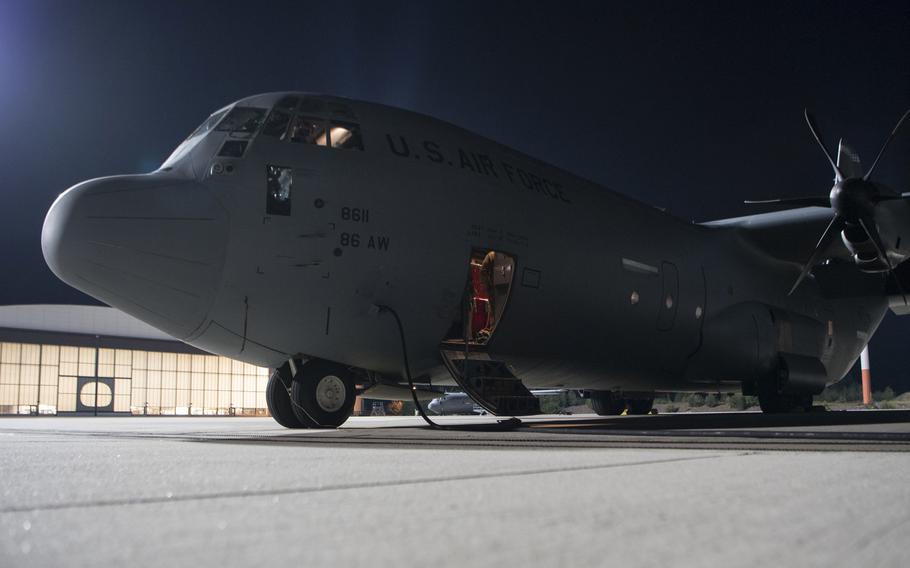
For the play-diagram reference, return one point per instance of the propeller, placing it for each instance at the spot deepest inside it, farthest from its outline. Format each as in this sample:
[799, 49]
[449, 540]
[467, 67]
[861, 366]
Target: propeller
[853, 199]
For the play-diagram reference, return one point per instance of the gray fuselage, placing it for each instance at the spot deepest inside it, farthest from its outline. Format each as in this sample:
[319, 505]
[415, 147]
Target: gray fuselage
[607, 293]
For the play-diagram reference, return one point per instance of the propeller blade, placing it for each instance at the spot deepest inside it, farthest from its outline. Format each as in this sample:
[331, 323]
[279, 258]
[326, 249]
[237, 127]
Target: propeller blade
[885, 145]
[875, 238]
[848, 160]
[795, 201]
[834, 227]
[838, 176]
[880, 249]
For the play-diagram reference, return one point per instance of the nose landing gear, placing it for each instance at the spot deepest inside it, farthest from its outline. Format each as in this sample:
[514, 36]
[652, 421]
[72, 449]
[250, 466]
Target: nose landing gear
[279, 401]
[321, 395]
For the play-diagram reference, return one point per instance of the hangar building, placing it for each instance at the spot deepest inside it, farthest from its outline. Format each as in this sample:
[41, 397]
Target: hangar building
[57, 359]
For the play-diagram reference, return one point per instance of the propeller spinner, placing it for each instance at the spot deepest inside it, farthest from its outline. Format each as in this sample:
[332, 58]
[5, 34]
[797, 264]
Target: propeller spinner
[853, 200]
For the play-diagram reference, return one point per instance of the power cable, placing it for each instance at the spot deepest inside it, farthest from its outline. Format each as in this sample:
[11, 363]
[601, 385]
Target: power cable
[509, 424]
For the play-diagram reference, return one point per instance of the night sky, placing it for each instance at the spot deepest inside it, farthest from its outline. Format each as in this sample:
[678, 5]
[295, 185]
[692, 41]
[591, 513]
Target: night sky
[689, 106]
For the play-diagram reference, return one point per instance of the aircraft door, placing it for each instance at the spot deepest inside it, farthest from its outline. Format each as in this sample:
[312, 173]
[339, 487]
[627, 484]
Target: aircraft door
[669, 299]
[486, 295]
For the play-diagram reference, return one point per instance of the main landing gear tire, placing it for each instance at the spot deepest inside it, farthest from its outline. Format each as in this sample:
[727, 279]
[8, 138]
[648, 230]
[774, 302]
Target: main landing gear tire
[639, 406]
[323, 394]
[278, 400]
[773, 402]
[605, 403]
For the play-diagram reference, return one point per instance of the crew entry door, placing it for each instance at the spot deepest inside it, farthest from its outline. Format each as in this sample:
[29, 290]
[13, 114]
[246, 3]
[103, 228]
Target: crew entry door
[489, 382]
[487, 290]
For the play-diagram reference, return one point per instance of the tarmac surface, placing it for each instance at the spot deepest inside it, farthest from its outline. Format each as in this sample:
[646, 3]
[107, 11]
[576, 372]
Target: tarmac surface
[738, 489]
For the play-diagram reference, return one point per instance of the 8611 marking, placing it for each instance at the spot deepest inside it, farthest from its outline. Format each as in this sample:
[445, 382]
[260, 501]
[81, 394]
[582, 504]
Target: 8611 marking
[355, 214]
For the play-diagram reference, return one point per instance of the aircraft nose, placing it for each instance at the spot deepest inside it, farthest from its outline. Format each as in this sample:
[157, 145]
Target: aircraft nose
[150, 245]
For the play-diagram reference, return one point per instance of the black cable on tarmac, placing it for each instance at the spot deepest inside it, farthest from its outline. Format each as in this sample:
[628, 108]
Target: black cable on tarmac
[509, 424]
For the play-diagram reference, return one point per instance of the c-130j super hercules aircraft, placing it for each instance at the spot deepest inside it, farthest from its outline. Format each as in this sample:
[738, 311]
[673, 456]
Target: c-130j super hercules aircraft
[351, 246]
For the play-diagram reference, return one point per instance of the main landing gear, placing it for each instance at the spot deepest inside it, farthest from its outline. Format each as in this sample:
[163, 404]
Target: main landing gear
[776, 394]
[607, 403]
[320, 395]
[772, 401]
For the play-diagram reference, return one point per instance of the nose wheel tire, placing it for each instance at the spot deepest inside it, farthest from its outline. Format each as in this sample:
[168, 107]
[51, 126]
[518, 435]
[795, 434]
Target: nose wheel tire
[279, 402]
[323, 393]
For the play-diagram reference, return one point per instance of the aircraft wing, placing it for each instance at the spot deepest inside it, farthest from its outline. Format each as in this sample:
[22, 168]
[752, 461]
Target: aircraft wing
[791, 235]
[788, 235]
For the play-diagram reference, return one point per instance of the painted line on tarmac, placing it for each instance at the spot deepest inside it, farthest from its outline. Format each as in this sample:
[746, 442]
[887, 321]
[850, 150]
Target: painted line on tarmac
[348, 486]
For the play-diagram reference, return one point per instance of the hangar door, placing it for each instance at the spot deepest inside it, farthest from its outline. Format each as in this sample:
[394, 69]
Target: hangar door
[95, 394]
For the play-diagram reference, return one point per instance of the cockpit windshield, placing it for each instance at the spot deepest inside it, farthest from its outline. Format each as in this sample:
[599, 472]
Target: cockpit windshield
[310, 120]
[242, 120]
[209, 123]
[299, 119]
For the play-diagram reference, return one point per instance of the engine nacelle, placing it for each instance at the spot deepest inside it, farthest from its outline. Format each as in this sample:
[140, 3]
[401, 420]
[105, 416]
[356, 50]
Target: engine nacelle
[738, 344]
[754, 343]
[865, 255]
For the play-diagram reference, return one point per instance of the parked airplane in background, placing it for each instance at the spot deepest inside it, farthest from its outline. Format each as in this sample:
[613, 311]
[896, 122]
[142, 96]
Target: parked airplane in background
[461, 403]
[454, 403]
[296, 231]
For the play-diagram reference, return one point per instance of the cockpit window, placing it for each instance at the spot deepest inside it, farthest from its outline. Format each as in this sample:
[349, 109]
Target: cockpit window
[242, 120]
[316, 122]
[309, 130]
[277, 123]
[209, 123]
[193, 139]
[345, 135]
